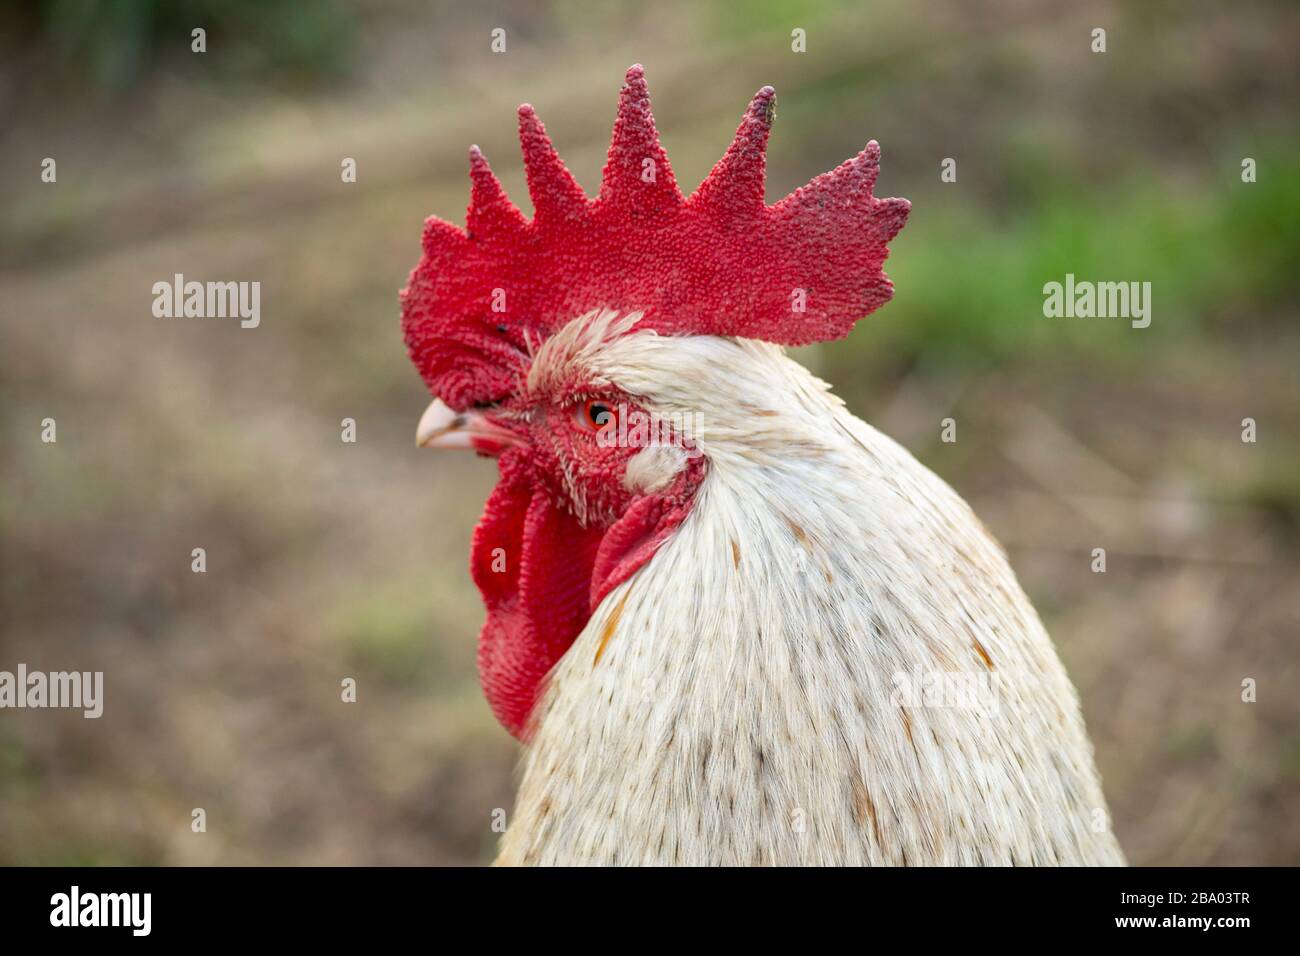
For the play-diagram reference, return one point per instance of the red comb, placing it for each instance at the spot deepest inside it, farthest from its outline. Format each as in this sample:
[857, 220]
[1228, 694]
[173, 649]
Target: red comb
[720, 262]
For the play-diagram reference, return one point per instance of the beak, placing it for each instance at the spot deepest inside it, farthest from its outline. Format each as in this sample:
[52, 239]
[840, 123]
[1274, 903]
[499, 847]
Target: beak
[441, 427]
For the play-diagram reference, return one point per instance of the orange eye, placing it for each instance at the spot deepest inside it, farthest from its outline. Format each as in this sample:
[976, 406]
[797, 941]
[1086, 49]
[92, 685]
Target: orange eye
[595, 414]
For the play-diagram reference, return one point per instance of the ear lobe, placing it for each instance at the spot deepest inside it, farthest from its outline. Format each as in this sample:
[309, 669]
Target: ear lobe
[653, 468]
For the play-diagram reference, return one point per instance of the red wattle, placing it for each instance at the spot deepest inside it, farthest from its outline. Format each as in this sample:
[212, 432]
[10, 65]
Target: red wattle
[542, 574]
[632, 541]
[532, 562]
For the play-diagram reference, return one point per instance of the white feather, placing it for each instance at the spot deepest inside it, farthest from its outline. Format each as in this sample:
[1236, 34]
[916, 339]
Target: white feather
[744, 707]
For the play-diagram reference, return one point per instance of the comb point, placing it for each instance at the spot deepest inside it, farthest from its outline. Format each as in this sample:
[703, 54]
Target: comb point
[719, 263]
[554, 191]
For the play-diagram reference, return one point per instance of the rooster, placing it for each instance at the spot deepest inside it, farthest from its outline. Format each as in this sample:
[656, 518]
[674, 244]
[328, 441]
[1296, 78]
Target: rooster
[732, 623]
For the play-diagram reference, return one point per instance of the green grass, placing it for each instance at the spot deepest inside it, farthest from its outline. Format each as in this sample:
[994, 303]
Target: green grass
[115, 43]
[969, 282]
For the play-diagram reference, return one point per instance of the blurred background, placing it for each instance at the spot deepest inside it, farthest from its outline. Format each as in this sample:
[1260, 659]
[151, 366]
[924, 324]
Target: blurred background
[327, 560]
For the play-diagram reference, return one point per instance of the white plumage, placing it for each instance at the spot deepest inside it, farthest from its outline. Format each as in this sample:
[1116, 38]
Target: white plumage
[741, 699]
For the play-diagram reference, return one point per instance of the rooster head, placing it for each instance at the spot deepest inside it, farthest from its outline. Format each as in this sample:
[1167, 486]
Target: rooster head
[524, 331]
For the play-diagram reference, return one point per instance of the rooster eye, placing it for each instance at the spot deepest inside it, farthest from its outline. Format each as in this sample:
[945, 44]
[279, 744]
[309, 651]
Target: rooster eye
[595, 414]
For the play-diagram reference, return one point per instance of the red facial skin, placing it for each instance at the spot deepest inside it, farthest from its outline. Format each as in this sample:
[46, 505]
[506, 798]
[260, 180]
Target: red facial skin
[540, 569]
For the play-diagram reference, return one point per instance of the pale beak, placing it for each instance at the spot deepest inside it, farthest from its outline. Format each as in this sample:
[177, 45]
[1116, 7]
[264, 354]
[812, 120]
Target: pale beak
[441, 427]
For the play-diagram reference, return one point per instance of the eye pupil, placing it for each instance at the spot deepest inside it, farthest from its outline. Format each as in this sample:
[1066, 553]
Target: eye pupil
[599, 414]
